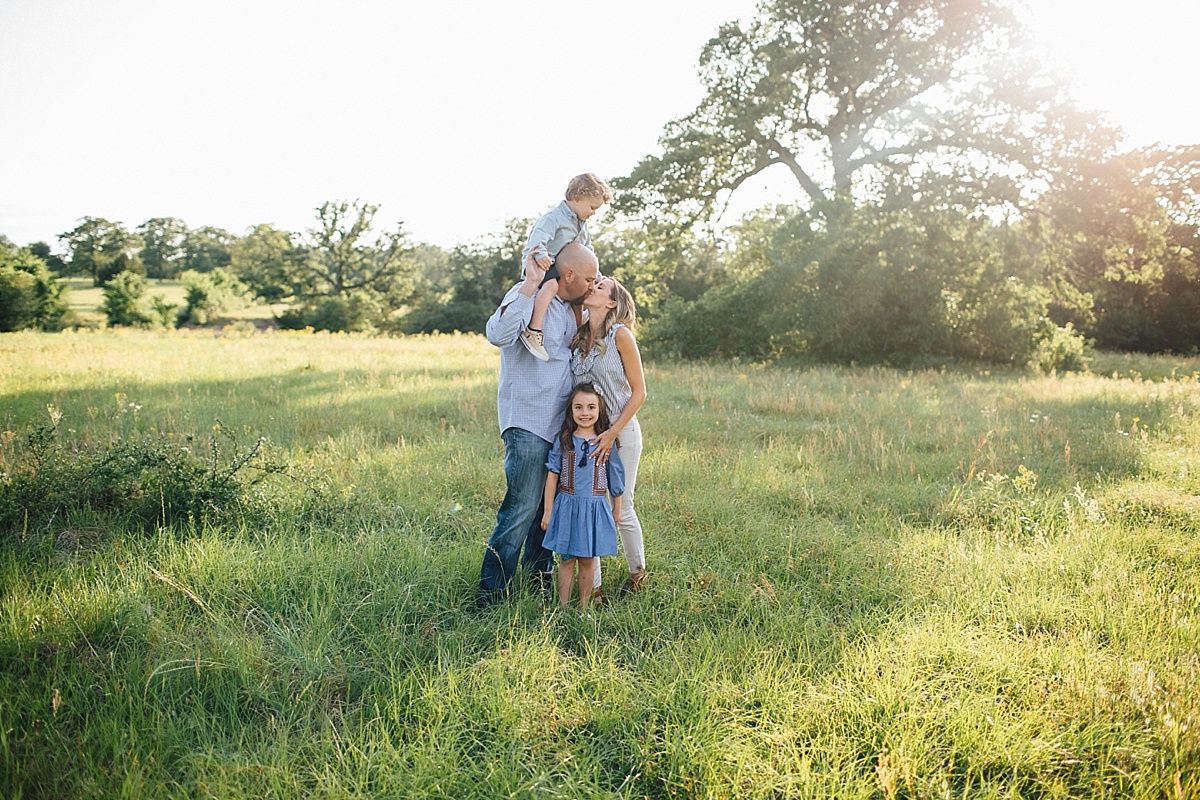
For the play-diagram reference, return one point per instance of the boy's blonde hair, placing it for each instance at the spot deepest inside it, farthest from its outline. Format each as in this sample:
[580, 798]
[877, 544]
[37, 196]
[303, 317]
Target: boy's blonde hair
[588, 185]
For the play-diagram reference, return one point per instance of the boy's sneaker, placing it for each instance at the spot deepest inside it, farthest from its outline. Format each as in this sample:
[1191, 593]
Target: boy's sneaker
[533, 343]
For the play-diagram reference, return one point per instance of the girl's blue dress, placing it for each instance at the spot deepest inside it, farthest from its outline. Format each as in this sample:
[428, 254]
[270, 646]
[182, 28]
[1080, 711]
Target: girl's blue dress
[581, 523]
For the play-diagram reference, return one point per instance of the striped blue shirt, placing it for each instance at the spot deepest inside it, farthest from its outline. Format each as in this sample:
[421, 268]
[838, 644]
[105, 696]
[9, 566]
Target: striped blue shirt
[603, 367]
[532, 394]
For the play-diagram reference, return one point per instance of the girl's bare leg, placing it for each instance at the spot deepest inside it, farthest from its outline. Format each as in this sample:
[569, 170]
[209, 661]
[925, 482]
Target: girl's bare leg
[566, 578]
[587, 572]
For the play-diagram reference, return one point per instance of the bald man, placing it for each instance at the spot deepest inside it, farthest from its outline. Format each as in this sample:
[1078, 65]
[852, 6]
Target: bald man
[531, 400]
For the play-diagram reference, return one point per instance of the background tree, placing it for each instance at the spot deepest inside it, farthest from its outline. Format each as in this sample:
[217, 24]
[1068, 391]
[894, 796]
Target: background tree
[207, 248]
[1175, 172]
[901, 123]
[662, 263]
[863, 99]
[94, 244]
[341, 257]
[30, 295]
[462, 294]
[266, 259]
[348, 280]
[1124, 234]
[162, 252]
[53, 261]
[124, 262]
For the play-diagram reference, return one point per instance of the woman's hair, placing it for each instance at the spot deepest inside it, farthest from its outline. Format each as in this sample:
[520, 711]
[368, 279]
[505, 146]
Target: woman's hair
[568, 427]
[622, 313]
[588, 185]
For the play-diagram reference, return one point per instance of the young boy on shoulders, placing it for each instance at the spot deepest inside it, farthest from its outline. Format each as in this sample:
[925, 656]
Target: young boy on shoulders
[562, 225]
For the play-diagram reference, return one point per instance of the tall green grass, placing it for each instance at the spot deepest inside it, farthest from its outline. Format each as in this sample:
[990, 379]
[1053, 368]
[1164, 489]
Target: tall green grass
[866, 583]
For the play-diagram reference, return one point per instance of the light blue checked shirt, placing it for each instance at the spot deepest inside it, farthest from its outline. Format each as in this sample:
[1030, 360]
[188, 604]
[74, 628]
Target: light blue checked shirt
[556, 229]
[532, 394]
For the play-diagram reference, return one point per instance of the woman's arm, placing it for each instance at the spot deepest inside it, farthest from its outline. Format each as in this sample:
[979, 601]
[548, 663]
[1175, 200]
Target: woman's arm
[631, 359]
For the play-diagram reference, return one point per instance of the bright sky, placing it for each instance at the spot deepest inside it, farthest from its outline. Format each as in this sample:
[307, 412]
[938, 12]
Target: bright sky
[453, 115]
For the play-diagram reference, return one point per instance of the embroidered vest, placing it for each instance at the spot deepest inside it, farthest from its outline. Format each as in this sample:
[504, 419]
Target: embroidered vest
[566, 478]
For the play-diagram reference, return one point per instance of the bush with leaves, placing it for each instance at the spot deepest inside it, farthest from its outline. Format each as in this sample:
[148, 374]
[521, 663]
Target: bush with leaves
[1061, 349]
[869, 285]
[472, 283]
[209, 294]
[126, 303]
[118, 265]
[356, 312]
[139, 483]
[862, 288]
[30, 296]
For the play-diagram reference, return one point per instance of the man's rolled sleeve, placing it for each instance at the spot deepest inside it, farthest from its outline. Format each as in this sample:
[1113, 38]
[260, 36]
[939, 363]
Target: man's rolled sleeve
[512, 317]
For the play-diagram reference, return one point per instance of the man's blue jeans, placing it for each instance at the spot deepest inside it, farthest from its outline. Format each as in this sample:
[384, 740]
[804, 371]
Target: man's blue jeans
[519, 520]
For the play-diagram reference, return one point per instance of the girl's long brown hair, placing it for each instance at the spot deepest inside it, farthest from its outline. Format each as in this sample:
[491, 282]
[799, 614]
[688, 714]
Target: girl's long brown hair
[568, 427]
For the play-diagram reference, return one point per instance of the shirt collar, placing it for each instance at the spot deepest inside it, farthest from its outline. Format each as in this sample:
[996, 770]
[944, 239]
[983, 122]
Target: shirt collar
[567, 208]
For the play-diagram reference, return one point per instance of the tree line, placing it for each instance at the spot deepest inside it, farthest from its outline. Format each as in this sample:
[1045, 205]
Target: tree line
[957, 204]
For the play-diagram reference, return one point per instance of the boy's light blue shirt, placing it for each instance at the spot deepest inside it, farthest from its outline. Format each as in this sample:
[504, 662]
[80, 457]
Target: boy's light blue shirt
[532, 394]
[556, 229]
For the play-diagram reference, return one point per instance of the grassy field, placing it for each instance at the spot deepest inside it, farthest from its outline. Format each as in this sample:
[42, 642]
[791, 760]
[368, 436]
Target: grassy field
[87, 301]
[866, 583]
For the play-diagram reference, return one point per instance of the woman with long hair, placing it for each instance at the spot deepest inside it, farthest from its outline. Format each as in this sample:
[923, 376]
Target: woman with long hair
[605, 353]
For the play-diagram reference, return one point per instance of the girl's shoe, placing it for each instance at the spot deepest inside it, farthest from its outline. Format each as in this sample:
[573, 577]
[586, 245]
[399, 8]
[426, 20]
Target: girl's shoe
[533, 343]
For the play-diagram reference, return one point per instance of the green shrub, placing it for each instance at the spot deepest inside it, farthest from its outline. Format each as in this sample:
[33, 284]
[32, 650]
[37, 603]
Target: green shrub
[208, 294]
[357, 312]
[137, 483]
[1061, 349]
[872, 285]
[995, 315]
[30, 296]
[867, 289]
[122, 263]
[126, 303]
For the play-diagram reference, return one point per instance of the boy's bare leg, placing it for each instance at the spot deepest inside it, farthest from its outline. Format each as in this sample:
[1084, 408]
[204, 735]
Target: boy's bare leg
[541, 302]
[531, 337]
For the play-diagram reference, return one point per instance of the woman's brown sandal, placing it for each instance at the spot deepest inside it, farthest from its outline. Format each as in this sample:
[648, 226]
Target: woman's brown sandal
[636, 580]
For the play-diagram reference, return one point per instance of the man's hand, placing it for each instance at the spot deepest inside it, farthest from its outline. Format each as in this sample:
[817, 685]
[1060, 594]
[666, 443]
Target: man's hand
[534, 272]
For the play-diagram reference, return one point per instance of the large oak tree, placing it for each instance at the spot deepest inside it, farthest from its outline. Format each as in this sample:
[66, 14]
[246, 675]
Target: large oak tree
[864, 99]
[342, 259]
[163, 240]
[95, 244]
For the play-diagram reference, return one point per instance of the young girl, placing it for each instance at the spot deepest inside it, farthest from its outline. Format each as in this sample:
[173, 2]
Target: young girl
[578, 522]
